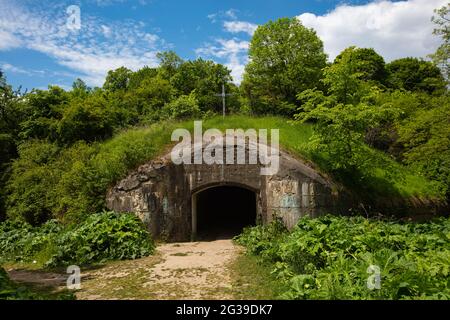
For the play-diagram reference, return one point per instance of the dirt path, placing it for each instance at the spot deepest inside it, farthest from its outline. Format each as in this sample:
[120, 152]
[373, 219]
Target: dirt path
[194, 270]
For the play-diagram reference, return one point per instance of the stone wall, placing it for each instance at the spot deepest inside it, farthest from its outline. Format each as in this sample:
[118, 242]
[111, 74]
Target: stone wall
[161, 193]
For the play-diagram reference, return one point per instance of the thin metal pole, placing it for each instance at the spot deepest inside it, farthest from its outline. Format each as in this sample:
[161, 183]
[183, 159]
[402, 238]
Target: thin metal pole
[223, 100]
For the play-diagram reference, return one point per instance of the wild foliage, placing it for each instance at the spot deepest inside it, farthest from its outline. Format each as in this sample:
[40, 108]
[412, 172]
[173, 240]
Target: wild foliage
[356, 111]
[68, 184]
[101, 237]
[331, 257]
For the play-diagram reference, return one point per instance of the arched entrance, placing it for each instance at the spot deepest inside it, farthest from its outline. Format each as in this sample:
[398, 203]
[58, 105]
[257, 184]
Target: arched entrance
[221, 212]
[164, 196]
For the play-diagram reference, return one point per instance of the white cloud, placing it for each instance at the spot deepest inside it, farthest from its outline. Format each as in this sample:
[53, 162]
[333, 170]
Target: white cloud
[393, 29]
[212, 17]
[105, 3]
[233, 52]
[240, 26]
[14, 69]
[231, 13]
[106, 31]
[92, 51]
[8, 41]
[10, 68]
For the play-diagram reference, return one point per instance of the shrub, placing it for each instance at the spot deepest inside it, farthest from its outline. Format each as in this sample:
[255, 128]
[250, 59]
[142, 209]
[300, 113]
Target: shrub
[102, 237]
[182, 108]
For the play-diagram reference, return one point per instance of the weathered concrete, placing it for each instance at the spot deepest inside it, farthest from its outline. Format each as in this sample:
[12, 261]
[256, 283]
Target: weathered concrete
[163, 194]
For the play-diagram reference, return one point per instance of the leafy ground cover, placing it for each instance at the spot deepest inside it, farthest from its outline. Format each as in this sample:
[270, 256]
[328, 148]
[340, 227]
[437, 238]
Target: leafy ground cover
[101, 237]
[335, 257]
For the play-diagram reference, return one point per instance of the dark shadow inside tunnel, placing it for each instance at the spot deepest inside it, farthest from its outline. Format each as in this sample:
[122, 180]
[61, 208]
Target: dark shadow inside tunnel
[222, 212]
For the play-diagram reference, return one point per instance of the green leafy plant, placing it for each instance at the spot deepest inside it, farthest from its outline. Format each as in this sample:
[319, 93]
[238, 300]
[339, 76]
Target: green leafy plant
[328, 257]
[101, 237]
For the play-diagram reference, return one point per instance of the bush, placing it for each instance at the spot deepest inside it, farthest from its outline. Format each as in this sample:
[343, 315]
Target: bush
[20, 242]
[182, 108]
[89, 120]
[102, 237]
[43, 185]
[264, 240]
[328, 257]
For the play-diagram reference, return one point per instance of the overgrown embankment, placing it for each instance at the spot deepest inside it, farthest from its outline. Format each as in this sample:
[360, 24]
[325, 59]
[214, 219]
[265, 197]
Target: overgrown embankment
[70, 183]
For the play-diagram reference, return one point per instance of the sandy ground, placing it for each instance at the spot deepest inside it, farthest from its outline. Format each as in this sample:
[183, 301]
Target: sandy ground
[194, 270]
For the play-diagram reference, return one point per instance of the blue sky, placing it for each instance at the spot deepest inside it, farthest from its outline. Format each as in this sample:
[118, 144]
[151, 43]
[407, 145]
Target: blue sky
[38, 47]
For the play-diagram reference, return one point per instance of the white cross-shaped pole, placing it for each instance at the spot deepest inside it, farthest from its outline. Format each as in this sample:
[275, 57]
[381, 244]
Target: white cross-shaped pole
[223, 95]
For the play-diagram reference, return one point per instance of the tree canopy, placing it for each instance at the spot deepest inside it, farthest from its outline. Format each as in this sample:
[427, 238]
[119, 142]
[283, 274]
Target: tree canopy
[366, 62]
[414, 74]
[285, 59]
[442, 55]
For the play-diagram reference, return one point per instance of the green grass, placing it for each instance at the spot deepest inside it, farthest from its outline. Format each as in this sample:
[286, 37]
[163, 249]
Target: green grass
[10, 290]
[253, 280]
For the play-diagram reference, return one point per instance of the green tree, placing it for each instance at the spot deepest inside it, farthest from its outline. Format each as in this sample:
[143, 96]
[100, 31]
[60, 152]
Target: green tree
[169, 62]
[140, 75]
[80, 88]
[366, 62]
[285, 58]
[117, 79]
[344, 79]
[31, 182]
[152, 95]
[206, 78]
[340, 129]
[44, 109]
[442, 55]
[414, 74]
[344, 116]
[89, 120]
[11, 115]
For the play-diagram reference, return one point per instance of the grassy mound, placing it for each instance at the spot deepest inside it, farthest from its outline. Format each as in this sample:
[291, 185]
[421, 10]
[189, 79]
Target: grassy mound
[129, 149]
[71, 183]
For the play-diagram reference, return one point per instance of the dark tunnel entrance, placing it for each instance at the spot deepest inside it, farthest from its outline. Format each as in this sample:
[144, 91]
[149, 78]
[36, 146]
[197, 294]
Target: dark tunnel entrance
[222, 212]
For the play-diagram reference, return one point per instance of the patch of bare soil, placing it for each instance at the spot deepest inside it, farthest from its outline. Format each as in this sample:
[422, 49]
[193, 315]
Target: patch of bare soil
[197, 270]
[194, 270]
[44, 279]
